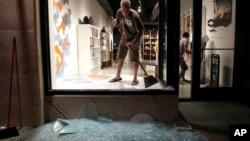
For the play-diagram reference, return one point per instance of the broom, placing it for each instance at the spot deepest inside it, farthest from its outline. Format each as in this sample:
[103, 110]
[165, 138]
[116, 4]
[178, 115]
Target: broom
[10, 131]
[149, 80]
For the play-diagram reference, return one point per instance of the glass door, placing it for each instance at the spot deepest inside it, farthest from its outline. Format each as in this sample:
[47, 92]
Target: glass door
[186, 26]
[213, 48]
[211, 25]
[169, 42]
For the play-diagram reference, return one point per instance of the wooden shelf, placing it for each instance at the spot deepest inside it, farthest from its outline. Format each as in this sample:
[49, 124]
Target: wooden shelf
[150, 44]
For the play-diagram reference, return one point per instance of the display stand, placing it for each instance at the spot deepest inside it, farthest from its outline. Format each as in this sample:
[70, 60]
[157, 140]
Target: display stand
[215, 70]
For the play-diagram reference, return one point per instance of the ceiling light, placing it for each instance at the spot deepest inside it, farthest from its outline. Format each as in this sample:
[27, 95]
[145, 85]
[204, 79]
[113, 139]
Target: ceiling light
[139, 9]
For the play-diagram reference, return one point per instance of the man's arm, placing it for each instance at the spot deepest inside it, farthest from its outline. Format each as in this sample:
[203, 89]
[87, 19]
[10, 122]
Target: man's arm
[186, 50]
[115, 21]
[140, 28]
[138, 36]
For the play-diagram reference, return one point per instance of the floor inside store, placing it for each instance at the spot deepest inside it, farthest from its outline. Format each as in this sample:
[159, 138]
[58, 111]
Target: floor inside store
[100, 79]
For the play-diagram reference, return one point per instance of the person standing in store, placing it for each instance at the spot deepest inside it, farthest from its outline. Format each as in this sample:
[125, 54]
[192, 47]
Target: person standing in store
[129, 21]
[184, 48]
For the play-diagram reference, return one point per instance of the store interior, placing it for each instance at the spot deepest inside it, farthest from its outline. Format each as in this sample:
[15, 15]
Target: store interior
[88, 59]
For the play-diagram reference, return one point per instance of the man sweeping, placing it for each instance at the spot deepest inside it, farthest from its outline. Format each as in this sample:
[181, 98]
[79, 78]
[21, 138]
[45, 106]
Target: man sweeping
[128, 20]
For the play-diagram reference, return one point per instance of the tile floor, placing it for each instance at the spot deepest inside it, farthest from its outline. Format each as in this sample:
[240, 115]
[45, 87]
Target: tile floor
[102, 76]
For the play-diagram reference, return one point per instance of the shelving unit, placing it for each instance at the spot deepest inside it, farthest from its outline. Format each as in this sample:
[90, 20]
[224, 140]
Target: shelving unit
[150, 44]
[106, 60]
[88, 42]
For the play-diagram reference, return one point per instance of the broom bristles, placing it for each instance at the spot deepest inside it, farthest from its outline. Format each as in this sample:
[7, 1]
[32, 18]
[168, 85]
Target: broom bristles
[149, 81]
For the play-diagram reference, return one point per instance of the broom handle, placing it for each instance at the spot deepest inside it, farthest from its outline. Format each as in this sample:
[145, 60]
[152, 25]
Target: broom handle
[11, 77]
[131, 50]
[138, 60]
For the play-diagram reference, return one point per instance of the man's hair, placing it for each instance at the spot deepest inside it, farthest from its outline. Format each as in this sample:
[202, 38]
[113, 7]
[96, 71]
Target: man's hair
[125, 3]
[185, 34]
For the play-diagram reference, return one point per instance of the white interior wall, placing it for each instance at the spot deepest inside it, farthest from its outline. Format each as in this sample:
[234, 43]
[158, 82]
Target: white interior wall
[203, 33]
[75, 9]
[223, 37]
[92, 8]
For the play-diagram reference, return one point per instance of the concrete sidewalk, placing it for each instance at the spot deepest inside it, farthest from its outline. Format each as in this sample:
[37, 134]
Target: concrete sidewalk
[214, 115]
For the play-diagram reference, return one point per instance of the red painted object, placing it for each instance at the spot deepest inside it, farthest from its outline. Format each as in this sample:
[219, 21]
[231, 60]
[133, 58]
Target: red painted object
[10, 131]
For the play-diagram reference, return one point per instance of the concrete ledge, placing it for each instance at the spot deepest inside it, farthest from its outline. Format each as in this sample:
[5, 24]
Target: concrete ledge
[161, 108]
